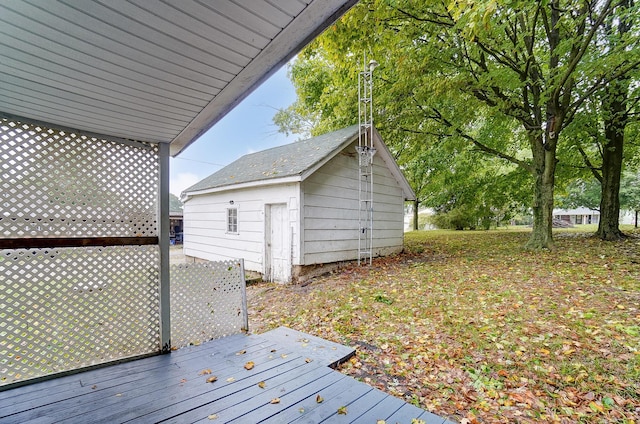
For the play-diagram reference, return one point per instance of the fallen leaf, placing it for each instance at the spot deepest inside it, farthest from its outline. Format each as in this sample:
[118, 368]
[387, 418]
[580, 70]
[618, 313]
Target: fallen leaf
[213, 417]
[381, 422]
[212, 379]
[308, 360]
[242, 352]
[595, 407]
[230, 380]
[94, 387]
[262, 384]
[249, 365]
[319, 399]
[283, 356]
[342, 410]
[205, 372]
[275, 400]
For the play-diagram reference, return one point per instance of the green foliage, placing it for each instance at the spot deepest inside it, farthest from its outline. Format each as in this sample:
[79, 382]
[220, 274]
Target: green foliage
[174, 203]
[467, 80]
[630, 191]
[579, 193]
[587, 193]
[456, 219]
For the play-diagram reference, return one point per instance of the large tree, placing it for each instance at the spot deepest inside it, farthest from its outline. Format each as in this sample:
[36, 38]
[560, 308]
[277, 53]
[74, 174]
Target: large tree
[468, 64]
[615, 116]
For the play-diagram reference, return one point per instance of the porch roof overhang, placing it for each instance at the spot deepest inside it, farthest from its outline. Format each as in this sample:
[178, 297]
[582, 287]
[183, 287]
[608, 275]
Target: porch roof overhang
[143, 70]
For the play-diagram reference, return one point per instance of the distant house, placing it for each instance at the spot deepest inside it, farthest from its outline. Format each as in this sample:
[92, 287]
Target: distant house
[176, 223]
[578, 216]
[289, 209]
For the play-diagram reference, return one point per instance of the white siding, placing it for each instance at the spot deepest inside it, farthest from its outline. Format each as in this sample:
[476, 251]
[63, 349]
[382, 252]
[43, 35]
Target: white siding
[330, 221]
[205, 233]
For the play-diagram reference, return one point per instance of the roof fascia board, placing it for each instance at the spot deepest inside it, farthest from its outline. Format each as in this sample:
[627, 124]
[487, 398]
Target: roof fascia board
[318, 15]
[249, 184]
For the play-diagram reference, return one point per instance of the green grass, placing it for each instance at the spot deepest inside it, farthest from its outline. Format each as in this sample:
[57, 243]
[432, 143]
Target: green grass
[471, 325]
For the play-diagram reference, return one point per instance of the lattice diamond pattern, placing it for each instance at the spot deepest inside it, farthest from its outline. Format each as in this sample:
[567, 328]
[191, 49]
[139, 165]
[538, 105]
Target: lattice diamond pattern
[66, 308]
[208, 301]
[61, 184]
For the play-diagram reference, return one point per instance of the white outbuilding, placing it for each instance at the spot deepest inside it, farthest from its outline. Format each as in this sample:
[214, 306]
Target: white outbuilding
[291, 210]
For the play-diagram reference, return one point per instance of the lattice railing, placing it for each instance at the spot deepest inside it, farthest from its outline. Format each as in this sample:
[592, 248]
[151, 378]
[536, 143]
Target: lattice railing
[80, 262]
[208, 301]
[67, 308]
[63, 307]
[62, 184]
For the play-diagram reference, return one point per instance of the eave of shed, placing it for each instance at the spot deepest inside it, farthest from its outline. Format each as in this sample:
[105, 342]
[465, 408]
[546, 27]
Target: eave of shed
[146, 70]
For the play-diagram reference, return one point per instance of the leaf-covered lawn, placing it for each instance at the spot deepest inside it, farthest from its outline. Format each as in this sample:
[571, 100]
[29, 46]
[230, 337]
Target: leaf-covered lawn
[471, 326]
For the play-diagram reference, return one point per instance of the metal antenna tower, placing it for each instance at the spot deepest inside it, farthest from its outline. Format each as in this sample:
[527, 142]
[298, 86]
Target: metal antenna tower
[366, 151]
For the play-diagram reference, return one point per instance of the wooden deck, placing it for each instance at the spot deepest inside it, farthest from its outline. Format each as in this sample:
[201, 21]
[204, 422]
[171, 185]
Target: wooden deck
[172, 388]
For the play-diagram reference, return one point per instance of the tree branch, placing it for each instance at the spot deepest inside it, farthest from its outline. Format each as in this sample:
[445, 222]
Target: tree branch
[587, 161]
[576, 56]
[440, 118]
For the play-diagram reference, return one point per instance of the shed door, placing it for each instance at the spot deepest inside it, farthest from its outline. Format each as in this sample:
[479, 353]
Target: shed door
[278, 244]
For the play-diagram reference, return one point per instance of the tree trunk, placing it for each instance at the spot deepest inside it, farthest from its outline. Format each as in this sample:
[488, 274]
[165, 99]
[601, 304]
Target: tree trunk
[544, 159]
[609, 226]
[416, 203]
[614, 108]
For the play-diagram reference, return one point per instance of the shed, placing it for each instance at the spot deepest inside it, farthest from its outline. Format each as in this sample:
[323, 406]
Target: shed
[290, 210]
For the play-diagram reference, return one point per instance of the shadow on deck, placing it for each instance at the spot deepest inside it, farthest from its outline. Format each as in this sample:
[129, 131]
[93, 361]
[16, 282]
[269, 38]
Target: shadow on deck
[291, 366]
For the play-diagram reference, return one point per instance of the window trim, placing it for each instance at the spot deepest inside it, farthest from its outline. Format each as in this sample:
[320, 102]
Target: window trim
[231, 216]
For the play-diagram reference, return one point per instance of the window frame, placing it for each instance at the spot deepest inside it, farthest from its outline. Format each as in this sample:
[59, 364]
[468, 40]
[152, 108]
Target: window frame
[231, 223]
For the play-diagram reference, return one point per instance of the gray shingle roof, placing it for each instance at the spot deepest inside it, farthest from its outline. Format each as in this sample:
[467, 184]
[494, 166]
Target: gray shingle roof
[278, 162]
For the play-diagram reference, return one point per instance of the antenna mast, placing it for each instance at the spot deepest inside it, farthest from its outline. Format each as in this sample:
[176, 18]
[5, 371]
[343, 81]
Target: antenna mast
[366, 151]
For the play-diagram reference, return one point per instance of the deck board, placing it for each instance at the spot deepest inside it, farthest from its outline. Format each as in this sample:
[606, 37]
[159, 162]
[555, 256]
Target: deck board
[172, 388]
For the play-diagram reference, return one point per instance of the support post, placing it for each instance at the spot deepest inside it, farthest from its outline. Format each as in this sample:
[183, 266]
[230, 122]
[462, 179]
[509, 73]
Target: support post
[163, 238]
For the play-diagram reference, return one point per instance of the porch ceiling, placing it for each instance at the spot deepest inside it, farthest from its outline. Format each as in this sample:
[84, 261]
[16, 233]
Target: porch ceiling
[149, 70]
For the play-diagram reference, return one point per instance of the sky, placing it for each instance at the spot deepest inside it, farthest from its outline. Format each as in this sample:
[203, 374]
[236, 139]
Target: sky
[248, 128]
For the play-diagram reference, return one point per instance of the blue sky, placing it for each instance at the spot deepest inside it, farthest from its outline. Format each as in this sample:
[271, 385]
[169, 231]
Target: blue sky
[246, 129]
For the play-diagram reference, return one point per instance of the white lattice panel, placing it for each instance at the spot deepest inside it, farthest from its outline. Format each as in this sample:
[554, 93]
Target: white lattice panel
[66, 308]
[208, 301]
[60, 184]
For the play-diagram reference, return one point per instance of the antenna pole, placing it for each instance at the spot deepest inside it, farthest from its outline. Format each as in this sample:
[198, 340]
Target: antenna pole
[366, 151]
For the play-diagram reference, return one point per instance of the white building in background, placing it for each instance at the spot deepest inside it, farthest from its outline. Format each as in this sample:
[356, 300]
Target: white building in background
[584, 216]
[291, 210]
[577, 216]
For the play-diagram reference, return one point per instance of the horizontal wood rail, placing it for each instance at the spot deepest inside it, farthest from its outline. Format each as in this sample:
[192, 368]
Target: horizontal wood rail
[53, 242]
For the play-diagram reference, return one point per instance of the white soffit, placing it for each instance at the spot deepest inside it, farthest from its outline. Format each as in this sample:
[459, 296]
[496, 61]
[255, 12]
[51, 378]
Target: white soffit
[149, 70]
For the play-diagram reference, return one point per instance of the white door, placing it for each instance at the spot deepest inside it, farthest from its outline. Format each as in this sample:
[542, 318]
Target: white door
[278, 250]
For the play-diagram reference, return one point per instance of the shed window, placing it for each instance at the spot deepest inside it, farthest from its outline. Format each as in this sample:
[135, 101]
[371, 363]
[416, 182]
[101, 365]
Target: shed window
[232, 220]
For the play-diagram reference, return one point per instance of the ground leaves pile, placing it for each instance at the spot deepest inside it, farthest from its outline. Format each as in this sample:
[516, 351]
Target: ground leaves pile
[471, 326]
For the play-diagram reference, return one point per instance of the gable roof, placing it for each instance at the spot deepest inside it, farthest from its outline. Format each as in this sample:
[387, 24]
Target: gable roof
[291, 162]
[155, 71]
